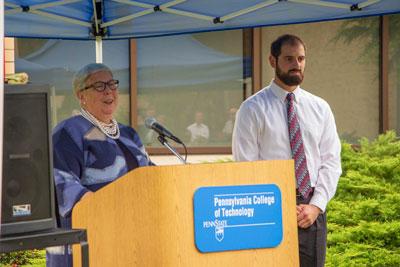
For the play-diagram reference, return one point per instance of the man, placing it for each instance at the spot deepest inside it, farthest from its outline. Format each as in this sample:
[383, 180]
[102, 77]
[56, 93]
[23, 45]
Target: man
[199, 132]
[283, 121]
[228, 126]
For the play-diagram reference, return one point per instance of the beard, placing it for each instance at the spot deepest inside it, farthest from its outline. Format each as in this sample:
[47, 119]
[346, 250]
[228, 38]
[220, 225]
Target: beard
[289, 79]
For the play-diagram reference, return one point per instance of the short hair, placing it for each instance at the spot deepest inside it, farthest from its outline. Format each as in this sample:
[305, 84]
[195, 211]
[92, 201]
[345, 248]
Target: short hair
[81, 76]
[290, 39]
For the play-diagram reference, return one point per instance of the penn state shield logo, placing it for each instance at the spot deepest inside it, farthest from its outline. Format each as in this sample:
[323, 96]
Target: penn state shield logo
[219, 233]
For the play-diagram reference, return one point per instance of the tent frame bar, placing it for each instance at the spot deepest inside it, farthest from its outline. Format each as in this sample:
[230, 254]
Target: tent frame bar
[368, 3]
[166, 8]
[353, 7]
[18, 9]
[97, 27]
[248, 10]
[96, 20]
[126, 18]
[134, 3]
[189, 14]
[61, 18]
[322, 3]
[34, 10]
[150, 9]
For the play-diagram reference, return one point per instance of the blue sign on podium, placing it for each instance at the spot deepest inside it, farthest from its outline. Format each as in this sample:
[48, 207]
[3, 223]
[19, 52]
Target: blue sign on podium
[237, 217]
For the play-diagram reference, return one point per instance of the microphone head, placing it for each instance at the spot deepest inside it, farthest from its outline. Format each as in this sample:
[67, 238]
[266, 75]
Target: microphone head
[149, 121]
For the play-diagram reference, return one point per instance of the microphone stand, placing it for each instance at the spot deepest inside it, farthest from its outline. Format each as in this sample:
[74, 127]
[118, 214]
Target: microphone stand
[164, 142]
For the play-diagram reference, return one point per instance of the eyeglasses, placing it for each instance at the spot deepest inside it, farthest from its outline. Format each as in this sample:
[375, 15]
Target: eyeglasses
[101, 86]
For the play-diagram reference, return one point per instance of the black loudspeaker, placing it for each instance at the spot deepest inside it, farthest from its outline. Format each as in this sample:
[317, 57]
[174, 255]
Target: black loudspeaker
[27, 187]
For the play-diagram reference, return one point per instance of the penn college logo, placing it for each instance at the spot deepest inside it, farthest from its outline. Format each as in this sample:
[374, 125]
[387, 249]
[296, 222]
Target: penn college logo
[219, 233]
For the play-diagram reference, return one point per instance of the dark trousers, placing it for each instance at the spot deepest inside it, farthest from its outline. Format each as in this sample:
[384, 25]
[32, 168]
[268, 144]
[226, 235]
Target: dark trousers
[312, 240]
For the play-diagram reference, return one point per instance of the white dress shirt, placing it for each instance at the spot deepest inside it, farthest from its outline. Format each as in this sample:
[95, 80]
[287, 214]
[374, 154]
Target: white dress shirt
[198, 131]
[228, 127]
[261, 133]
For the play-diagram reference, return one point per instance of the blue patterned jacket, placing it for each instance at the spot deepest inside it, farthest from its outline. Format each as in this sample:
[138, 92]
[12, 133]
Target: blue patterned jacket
[85, 160]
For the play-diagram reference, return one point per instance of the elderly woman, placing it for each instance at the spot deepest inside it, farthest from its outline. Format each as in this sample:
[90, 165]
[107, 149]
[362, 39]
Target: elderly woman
[91, 149]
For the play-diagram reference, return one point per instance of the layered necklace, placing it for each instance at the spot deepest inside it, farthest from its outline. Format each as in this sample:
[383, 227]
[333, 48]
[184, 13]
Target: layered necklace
[109, 129]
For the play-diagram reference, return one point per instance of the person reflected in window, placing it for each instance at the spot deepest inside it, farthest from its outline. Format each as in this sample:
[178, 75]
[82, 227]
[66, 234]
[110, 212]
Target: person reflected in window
[142, 106]
[150, 138]
[228, 126]
[146, 133]
[283, 121]
[199, 132]
[91, 149]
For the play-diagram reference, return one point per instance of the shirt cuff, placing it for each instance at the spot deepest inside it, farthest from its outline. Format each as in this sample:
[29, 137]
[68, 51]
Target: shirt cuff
[319, 200]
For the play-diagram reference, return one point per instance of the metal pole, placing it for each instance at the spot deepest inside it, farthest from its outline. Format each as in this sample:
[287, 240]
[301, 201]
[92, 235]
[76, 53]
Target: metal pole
[1, 95]
[99, 49]
[164, 142]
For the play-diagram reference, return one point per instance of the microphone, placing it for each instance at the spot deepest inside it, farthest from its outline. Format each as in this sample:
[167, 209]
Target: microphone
[152, 124]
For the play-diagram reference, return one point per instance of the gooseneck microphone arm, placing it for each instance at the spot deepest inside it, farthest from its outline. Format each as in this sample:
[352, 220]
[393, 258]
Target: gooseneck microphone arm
[164, 142]
[152, 124]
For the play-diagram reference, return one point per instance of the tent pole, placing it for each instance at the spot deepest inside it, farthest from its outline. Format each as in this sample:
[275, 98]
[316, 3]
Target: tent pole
[1, 96]
[99, 49]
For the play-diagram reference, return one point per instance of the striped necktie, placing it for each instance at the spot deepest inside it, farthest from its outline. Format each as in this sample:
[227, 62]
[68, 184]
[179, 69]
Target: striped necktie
[296, 144]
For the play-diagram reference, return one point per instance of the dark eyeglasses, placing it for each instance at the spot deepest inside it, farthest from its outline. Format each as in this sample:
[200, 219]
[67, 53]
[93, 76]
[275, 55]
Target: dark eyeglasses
[101, 86]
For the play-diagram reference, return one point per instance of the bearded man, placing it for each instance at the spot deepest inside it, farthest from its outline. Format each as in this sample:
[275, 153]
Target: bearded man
[283, 121]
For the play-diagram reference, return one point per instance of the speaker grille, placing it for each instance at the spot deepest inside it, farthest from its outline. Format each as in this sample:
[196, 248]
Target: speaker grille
[27, 177]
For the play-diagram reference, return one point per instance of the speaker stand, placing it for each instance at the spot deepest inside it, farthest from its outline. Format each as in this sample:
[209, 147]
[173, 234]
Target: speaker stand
[49, 238]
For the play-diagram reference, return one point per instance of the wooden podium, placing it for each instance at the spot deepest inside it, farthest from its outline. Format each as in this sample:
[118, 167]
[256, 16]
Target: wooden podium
[145, 218]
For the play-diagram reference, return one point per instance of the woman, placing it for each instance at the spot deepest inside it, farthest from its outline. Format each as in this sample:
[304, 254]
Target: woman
[91, 149]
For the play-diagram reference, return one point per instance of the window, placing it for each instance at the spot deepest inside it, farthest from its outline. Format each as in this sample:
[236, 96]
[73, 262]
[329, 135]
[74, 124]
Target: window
[394, 73]
[342, 67]
[55, 62]
[193, 85]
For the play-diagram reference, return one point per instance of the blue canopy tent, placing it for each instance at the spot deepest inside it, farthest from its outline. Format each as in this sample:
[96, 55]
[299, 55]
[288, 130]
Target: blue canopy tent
[116, 19]
[119, 19]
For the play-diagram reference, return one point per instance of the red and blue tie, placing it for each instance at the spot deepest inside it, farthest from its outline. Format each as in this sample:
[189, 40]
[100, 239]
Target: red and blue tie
[296, 144]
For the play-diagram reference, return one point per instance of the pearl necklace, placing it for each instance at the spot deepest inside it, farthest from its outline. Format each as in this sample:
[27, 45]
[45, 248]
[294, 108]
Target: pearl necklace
[109, 129]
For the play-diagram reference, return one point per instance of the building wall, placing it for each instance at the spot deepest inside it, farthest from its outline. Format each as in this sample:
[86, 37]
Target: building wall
[9, 59]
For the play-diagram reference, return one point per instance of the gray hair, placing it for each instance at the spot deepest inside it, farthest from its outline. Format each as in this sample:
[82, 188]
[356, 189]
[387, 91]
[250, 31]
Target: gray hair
[80, 77]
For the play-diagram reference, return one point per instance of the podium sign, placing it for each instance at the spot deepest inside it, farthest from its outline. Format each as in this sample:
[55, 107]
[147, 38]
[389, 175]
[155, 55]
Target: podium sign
[237, 217]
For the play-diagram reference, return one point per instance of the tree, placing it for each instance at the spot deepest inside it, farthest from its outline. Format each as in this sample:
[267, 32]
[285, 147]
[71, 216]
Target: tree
[366, 30]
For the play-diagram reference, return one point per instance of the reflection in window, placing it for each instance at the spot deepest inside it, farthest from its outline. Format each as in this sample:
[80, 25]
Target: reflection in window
[55, 62]
[394, 73]
[191, 84]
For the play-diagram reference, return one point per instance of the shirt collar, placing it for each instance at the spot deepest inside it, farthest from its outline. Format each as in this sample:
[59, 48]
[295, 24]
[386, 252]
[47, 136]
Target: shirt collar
[281, 93]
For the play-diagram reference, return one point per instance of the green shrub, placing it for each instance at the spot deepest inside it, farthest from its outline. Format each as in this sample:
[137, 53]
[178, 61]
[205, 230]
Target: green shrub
[24, 258]
[364, 216]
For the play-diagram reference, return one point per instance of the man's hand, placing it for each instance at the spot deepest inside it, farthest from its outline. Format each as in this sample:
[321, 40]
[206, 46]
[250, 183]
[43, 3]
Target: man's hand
[306, 215]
